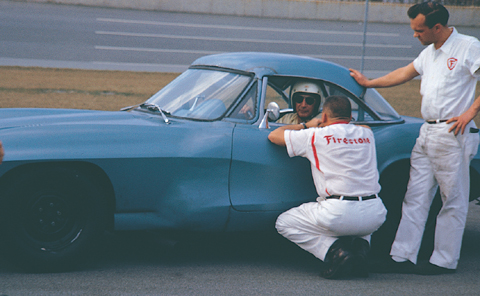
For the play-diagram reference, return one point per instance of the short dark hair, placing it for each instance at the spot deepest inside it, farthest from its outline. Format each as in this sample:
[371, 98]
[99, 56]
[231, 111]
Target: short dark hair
[434, 12]
[338, 106]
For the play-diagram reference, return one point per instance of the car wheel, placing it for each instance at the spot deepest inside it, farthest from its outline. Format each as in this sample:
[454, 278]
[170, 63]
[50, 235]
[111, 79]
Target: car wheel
[394, 182]
[54, 217]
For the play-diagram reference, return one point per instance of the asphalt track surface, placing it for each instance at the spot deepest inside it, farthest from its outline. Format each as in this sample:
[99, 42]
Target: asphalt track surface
[67, 36]
[143, 263]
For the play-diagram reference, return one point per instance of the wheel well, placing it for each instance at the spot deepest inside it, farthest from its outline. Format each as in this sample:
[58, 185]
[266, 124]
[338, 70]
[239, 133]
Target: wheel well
[389, 176]
[394, 180]
[93, 172]
[474, 184]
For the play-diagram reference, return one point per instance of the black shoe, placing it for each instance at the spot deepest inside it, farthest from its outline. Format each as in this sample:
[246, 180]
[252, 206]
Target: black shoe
[339, 260]
[391, 266]
[360, 249]
[427, 268]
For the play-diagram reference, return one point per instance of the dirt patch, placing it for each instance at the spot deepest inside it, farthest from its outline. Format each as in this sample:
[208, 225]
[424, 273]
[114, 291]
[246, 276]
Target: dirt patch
[25, 87]
[80, 89]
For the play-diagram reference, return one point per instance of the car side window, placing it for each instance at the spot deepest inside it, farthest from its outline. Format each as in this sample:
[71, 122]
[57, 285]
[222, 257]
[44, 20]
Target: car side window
[275, 95]
[278, 90]
[247, 109]
[358, 113]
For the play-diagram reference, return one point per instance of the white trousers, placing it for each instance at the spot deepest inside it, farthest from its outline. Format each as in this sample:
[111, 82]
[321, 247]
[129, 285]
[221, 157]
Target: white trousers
[315, 226]
[438, 159]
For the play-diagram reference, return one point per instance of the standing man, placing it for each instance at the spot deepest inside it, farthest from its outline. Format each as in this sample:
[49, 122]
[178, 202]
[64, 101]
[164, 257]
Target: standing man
[337, 227]
[449, 67]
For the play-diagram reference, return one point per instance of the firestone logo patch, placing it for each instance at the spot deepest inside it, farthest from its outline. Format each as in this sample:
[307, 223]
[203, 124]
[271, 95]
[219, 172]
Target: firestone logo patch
[451, 63]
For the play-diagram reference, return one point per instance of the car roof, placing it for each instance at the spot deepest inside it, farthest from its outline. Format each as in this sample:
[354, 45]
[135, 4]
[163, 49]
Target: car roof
[264, 64]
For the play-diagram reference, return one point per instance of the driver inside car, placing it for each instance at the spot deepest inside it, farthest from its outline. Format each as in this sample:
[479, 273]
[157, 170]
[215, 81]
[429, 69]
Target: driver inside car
[306, 100]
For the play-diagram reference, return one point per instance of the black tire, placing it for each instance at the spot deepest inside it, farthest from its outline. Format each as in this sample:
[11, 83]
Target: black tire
[54, 217]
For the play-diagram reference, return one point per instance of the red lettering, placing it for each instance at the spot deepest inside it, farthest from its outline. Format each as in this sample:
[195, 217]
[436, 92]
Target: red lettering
[328, 139]
[332, 139]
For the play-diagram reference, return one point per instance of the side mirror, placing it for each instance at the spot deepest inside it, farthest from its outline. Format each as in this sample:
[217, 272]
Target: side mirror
[272, 113]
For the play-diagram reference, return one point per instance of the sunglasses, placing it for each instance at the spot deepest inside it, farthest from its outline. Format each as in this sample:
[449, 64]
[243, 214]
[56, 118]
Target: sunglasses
[298, 99]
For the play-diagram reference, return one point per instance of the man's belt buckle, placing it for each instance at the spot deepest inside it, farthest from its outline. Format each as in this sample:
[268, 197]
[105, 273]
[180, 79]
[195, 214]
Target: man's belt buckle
[434, 121]
[355, 198]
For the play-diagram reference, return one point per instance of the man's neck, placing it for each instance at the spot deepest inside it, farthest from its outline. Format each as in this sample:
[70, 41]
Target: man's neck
[339, 120]
[304, 119]
[443, 37]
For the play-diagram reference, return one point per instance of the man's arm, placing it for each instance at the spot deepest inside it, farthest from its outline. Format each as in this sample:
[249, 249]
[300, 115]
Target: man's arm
[462, 120]
[396, 77]
[277, 136]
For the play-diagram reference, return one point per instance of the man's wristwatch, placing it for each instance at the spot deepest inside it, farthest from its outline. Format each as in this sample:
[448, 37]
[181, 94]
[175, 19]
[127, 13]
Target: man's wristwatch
[304, 125]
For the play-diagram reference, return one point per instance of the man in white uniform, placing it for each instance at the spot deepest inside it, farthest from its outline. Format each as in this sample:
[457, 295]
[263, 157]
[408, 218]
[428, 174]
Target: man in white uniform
[448, 140]
[337, 227]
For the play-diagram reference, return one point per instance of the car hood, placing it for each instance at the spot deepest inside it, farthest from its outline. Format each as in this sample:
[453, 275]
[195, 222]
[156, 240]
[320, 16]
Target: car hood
[60, 134]
[24, 118]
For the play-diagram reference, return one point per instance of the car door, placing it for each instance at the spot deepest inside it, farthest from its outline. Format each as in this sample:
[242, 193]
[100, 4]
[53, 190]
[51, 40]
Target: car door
[262, 175]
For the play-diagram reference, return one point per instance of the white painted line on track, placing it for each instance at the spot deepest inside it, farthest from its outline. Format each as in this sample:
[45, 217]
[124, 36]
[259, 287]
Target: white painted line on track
[204, 52]
[119, 66]
[248, 40]
[229, 27]
[94, 65]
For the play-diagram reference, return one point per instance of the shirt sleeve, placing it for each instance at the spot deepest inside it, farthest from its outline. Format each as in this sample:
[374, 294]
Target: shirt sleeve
[473, 58]
[418, 62]
[296, 141]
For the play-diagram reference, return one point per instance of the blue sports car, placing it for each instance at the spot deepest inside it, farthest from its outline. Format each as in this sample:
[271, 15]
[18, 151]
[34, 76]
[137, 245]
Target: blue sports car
[193, 157]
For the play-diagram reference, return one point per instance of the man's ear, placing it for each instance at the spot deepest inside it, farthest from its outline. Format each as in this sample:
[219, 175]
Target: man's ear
[437, 28]
[324, 116]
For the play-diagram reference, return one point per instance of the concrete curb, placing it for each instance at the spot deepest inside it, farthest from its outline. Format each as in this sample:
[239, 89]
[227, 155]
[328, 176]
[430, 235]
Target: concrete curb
[295, 9]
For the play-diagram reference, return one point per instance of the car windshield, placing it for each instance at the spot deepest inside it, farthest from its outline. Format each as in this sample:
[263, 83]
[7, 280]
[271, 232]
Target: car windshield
[201, 94]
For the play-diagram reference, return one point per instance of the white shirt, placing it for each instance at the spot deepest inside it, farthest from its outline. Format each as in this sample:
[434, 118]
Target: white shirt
[342, 156]
[449, 76]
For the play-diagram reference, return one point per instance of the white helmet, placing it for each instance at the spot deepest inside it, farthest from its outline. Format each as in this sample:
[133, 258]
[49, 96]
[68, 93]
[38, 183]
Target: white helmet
[306, 87]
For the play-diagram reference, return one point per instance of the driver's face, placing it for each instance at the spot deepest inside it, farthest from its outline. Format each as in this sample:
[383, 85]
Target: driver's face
[304, 104]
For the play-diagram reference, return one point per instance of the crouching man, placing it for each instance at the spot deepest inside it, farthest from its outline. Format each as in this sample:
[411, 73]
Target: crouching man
[337, 227]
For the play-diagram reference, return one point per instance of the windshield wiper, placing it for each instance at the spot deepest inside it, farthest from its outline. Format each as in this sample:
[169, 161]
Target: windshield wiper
[153, 107]
[130, 107]
[149, 106]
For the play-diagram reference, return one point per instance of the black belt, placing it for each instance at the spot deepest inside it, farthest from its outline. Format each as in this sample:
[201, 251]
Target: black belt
[433, 121]
[357, 198]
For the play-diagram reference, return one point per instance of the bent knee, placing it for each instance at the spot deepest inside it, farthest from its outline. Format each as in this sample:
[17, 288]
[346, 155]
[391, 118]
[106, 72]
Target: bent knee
[281, 222]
